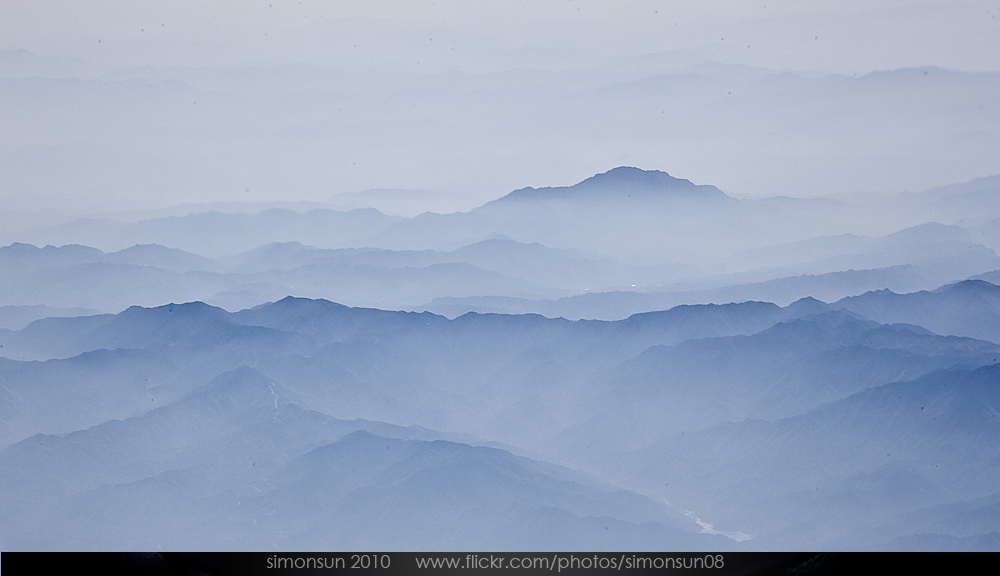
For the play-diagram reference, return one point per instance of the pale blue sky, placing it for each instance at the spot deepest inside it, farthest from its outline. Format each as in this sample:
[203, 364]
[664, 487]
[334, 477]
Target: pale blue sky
[471, 99]
[842, 37]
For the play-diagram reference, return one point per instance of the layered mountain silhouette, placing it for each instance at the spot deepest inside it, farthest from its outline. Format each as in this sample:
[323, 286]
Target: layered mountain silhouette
[624, 241]
[788, 342]
[290, 425]
[967, 308]
[695, 371]
[239, 463]
[902, 459]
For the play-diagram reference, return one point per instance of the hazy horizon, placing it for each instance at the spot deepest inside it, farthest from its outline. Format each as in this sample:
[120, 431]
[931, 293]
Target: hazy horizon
[179, 103]
[448, 275]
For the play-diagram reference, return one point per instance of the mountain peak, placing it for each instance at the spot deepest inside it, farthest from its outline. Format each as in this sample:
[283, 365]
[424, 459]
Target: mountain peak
[631, 176]
[619, 183]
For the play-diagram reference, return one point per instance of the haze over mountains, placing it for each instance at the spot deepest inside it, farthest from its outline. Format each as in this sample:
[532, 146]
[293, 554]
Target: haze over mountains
[138, 135]
[219, 421]
[499, 276]
[756, 423]
[618, 243]
[708, 373]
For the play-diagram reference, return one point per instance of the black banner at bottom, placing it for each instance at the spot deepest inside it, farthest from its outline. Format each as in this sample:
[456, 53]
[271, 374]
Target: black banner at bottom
[485, 563]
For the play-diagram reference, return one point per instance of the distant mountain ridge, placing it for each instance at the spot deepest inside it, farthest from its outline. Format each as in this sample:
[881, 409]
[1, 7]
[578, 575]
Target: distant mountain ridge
[623, 181]
[632, 217]
[968, 308]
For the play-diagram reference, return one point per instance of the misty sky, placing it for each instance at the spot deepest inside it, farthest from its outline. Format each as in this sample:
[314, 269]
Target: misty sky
[841, 37]
[549, 70]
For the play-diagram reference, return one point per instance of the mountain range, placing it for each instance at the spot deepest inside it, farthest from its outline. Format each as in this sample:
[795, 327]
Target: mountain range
[715, 427]
[618, 243]
[632, 362]
[344, 277]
